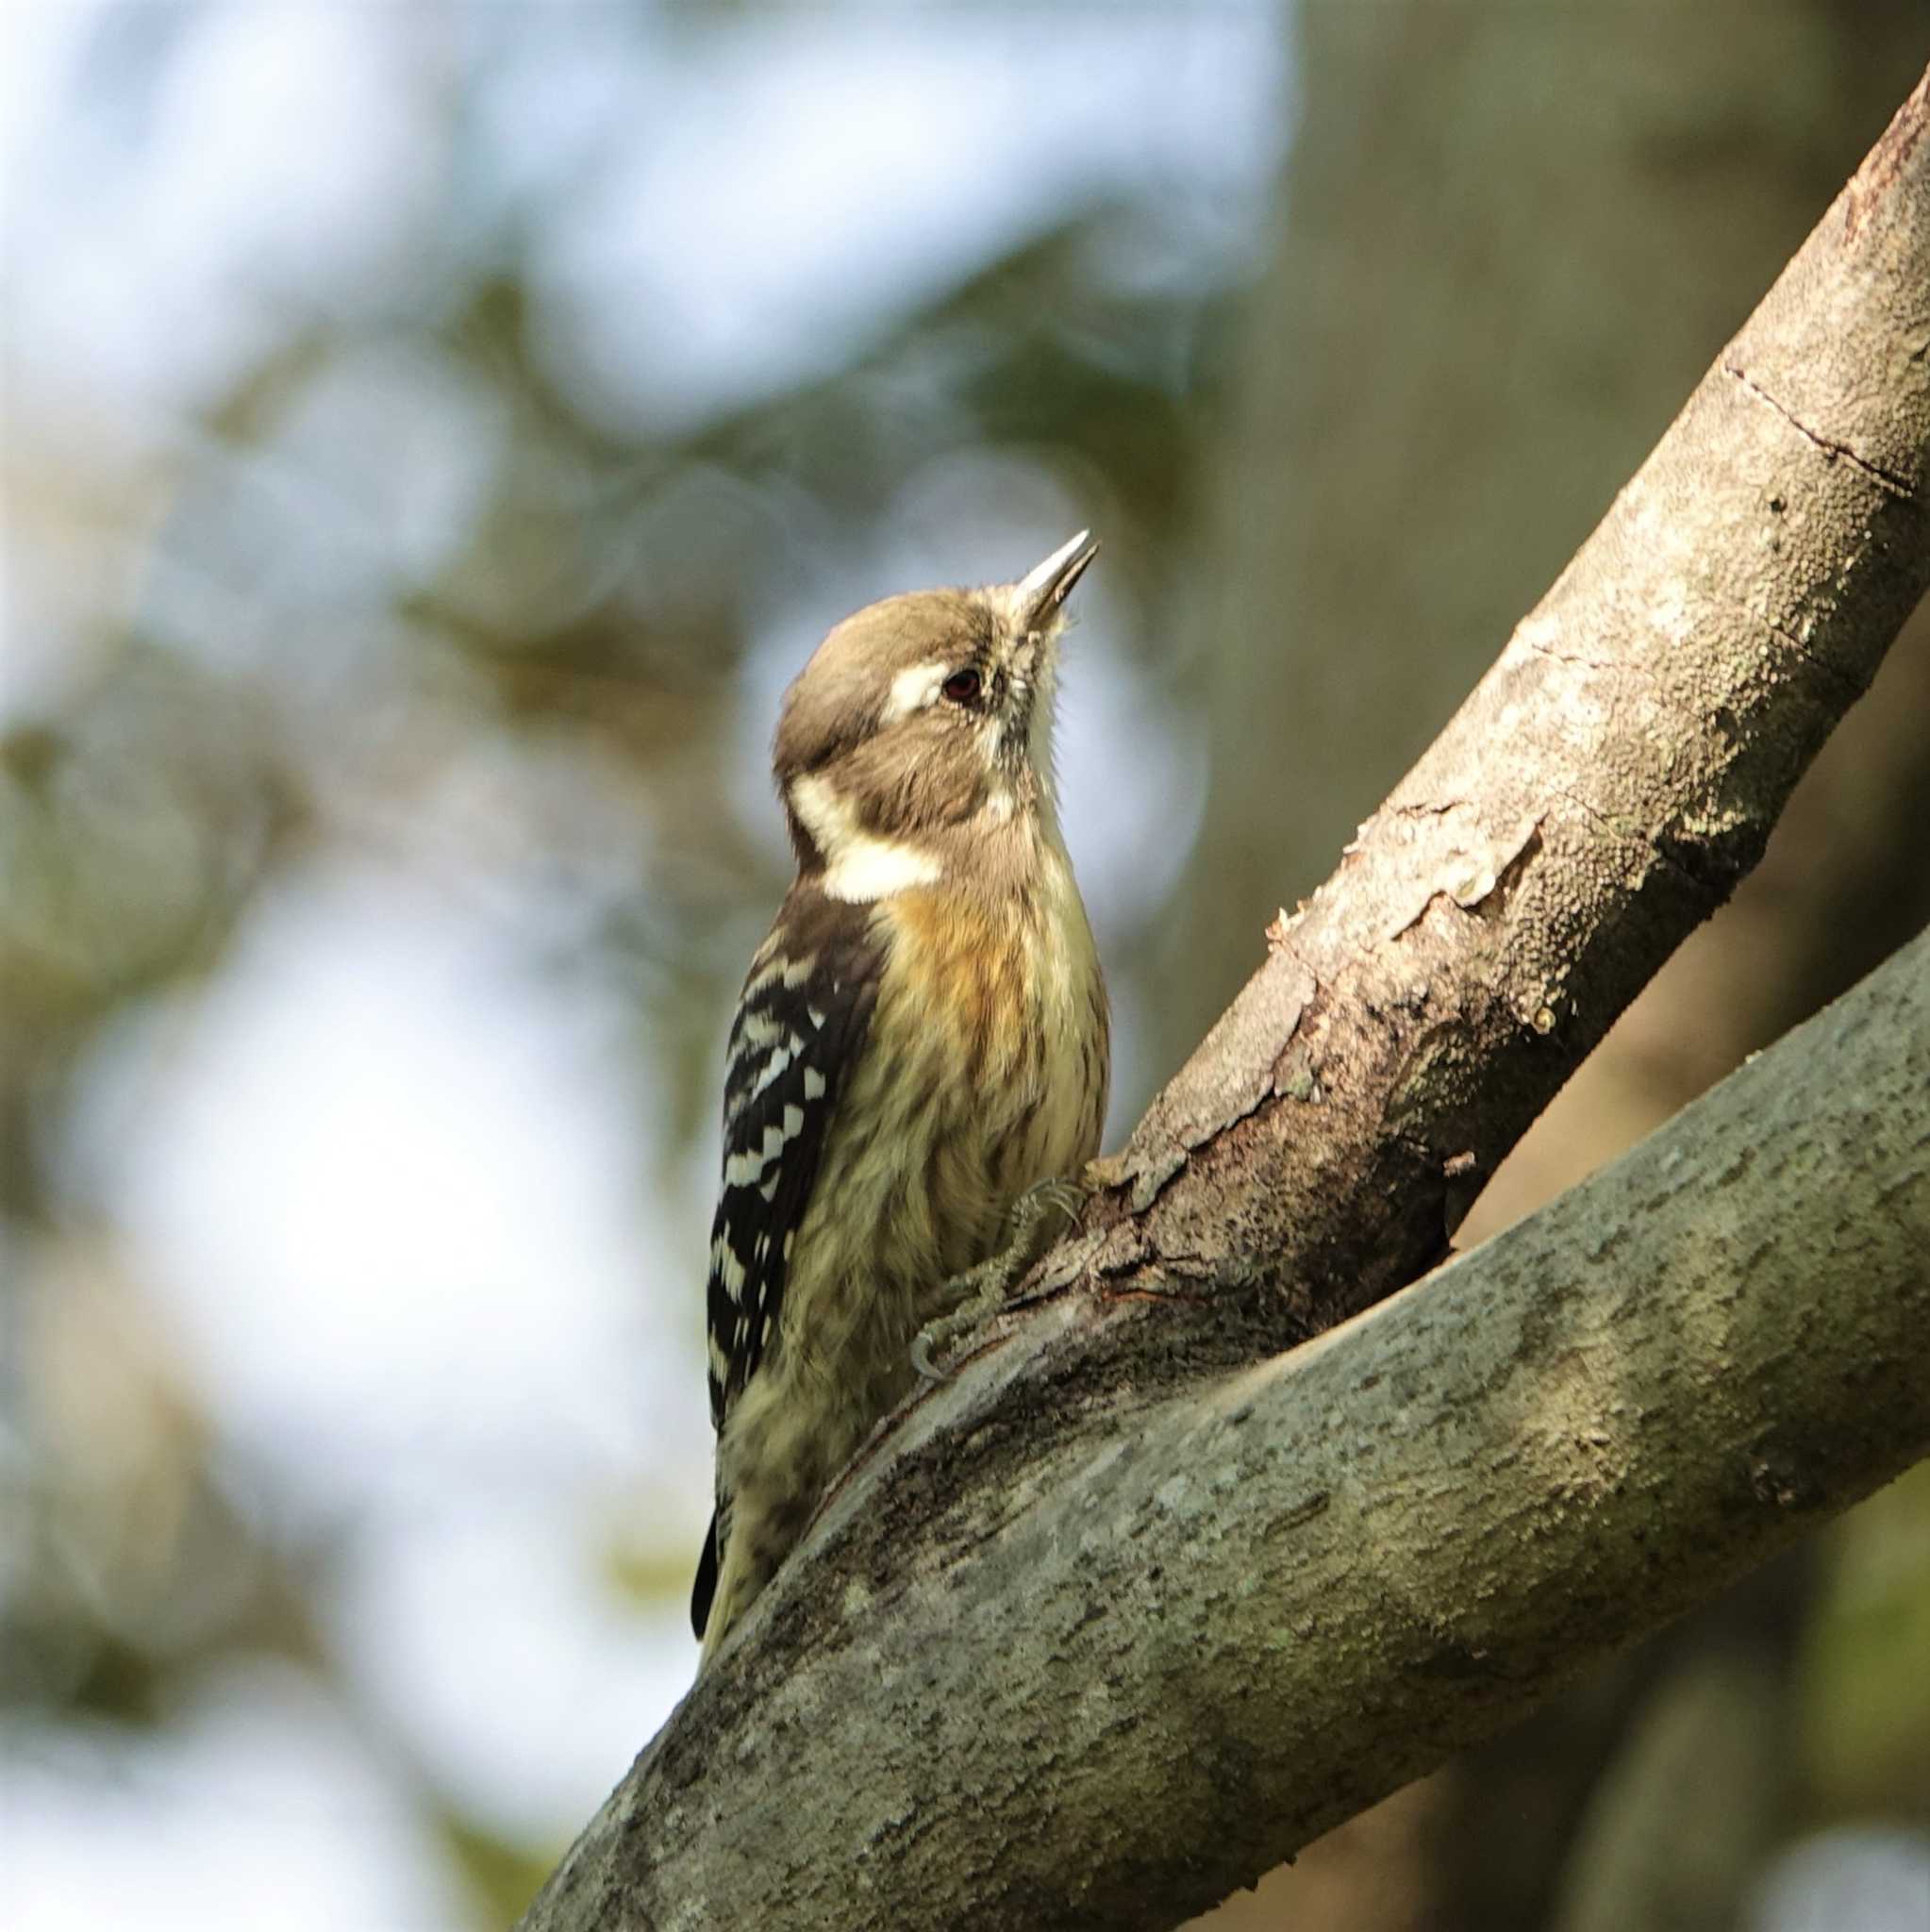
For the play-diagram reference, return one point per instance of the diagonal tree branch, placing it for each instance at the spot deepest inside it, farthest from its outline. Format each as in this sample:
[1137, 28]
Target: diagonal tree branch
[1118, 1618]
[1600, 794]
[1285, 1593]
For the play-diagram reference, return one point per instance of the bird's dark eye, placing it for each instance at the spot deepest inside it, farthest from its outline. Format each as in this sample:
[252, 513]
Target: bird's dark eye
[962, 687]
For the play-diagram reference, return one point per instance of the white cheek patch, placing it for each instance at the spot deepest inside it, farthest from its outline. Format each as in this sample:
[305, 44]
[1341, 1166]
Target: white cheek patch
[915, 689]
[858, 866]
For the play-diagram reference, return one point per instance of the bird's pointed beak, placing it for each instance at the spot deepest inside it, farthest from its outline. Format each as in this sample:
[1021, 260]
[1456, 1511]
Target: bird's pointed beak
[1038, 595]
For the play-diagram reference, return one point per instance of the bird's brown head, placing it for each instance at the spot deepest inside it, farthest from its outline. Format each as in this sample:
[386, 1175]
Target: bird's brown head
[923, 720]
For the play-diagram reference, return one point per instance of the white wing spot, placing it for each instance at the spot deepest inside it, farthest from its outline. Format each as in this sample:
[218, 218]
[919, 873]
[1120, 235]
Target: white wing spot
[813, 1084]
[773, 1067]
[759, 1029]
[744, 1170]
[728, 1268]
[764, 976]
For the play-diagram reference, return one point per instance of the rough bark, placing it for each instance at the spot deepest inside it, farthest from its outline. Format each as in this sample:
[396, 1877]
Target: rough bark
[1457, 339]
[1599, 794]
[1090, 1641]
[1478, 209]
[1192, 1646]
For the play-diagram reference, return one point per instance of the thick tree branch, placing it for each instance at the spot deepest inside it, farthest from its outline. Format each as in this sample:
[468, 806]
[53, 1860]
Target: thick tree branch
[1285, 1593]
[1601, 793]
[1118, 1618]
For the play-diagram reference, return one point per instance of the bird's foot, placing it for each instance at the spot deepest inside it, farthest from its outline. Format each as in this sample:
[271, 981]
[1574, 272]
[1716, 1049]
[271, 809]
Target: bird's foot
[1038, 1219]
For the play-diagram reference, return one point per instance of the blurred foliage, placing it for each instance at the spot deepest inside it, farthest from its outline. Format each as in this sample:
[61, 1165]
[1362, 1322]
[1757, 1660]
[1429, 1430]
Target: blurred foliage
[1866, 1679]
[390, 572]
[502, 1878]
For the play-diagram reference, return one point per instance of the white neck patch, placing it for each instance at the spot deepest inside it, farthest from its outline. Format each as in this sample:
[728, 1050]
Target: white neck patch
[858, 866]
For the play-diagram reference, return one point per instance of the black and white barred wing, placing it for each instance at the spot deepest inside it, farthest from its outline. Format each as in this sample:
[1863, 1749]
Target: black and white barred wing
[800, 1025]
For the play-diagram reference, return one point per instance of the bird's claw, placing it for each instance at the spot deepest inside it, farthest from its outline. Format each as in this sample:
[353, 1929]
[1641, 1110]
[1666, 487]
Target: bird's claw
[1038, 1219]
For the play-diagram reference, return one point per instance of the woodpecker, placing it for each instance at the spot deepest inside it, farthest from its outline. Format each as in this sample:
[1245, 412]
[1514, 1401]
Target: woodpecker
[918, 1051]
